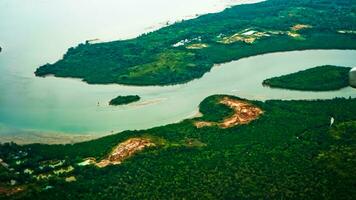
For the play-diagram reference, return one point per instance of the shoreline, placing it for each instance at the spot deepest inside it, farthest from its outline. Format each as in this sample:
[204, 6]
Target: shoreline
[23, 136]
[162, 24]
[215, 9]
[52, 137]
[27, 136]
[69, 138]
[186, 82]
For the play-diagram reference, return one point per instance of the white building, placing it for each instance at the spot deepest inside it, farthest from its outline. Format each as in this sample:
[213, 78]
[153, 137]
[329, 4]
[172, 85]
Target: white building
[352, 77]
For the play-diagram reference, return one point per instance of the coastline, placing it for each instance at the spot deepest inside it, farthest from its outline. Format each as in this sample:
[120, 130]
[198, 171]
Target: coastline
[220, 106]
[186, 82]
[75, 138]
[24, 136]
[216, 8]
[144, 73]
[48, 137]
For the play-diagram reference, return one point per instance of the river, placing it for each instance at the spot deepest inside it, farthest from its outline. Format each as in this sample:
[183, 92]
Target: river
[54, 110]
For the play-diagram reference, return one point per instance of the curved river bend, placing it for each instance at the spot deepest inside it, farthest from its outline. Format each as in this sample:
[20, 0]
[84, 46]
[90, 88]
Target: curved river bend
[37, 32]
[70, 106]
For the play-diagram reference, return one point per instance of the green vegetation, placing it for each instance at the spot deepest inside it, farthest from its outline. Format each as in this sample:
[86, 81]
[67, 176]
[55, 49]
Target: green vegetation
[186, 50]
[213, 111]
[290, 152]
[322, 78]
[121, 100]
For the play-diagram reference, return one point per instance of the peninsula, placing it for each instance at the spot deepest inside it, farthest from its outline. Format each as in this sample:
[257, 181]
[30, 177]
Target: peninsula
[237, 148]
[273, 149]
[186, 50]
[322, 78]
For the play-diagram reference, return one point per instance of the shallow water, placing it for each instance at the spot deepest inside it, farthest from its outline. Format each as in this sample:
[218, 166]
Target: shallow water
[37, 32]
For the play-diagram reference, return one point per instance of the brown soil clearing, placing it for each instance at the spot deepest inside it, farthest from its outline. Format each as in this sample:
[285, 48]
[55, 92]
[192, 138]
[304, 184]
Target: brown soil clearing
[10, 191]
[244, 113]
[298, 27]
[125, 150]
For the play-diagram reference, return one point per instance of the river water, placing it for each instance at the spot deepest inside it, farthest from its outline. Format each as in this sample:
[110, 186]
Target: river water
[37, 32]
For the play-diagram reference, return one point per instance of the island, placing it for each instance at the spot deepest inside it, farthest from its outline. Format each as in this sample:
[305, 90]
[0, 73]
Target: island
[236, 148]
[122, 100]
[273, 149]
[321, 78]
[186, 50]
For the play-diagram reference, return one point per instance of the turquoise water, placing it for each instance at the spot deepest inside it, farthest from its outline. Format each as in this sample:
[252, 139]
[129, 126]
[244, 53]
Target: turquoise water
[41, 32]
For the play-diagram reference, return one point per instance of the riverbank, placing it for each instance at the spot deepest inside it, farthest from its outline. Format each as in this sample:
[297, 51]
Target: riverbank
[320, 78]
[244, 154]
[157, 102]
[64, 106]
[166, 56]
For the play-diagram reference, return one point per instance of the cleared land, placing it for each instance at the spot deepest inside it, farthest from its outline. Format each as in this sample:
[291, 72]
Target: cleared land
[9, 191]
[290, 152]
[184, 51]
[243, 114]
[125, 150]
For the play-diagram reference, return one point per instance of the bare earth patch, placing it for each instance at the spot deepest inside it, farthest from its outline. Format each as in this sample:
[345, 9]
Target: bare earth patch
[294, 30]
[125, 150]
[202, 124]
[197, 46]
[70, 179]
[293, 34]
[10, 191]
[247, 36]
[244, 113]
[298, 27]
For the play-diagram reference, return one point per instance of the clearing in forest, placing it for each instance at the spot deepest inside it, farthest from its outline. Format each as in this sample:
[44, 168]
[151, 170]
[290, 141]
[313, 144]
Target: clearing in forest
[244, 113]
[125, 150]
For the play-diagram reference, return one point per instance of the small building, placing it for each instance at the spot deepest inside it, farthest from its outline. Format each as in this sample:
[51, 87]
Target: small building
[352, 77]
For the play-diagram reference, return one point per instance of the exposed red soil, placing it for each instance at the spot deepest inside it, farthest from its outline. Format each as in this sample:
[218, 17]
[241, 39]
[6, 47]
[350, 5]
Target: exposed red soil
[298, 27]
[125, 150]
[10, 191]
[244, 113]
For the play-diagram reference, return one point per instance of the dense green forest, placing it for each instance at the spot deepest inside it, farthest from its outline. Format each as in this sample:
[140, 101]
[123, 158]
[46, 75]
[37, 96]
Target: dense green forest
[290, 152]
[186, 50]
[322, 78]
[121, 100]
